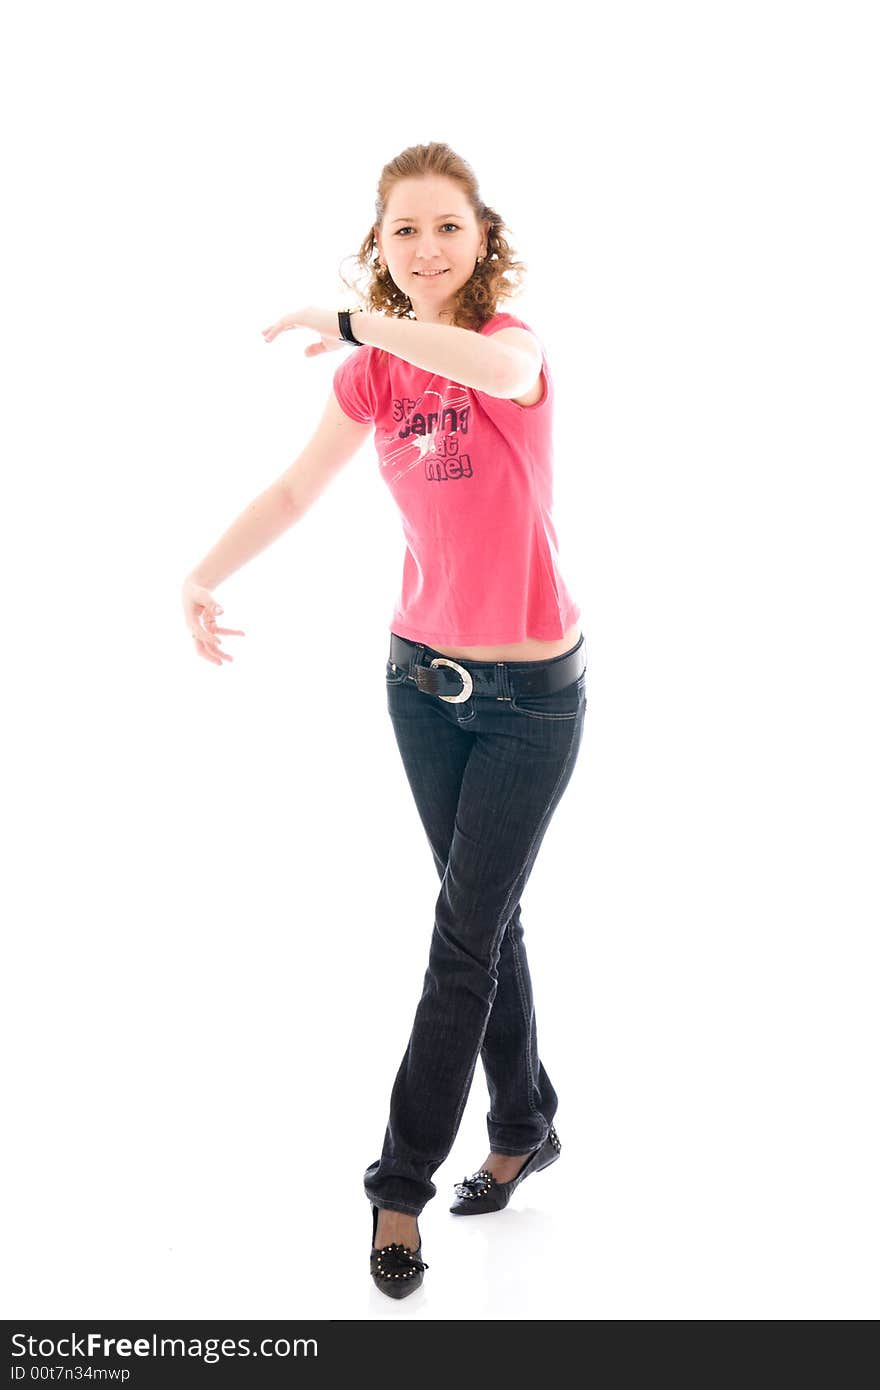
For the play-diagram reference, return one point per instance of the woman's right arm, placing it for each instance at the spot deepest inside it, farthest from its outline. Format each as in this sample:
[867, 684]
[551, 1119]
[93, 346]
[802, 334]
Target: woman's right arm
[336, 440]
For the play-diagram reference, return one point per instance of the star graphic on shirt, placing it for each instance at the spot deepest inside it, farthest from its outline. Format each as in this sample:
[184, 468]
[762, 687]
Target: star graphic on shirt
[425, 444]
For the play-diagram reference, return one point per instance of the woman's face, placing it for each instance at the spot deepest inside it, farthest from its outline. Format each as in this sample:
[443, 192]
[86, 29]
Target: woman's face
[430, 226]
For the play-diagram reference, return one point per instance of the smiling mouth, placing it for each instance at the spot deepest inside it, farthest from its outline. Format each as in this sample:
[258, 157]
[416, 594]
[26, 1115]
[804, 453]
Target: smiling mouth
[429, 274]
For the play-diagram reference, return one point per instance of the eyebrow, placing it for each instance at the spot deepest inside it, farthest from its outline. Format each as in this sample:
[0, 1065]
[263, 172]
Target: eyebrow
[415, 219]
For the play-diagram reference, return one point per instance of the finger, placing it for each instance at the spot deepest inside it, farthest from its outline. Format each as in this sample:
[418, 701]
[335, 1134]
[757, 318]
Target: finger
[214, 630]
[206, 638]
[203, 650]
[280, 327]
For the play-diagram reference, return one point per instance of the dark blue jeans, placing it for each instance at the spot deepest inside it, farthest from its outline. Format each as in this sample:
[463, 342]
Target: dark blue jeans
[486, 775]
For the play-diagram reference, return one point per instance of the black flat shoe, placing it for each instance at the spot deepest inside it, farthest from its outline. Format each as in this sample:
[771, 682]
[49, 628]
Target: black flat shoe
[481, 1192]
[396, 1269]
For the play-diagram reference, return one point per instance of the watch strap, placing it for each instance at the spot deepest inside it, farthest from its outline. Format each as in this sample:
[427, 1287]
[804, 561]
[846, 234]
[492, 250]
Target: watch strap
[345, 333]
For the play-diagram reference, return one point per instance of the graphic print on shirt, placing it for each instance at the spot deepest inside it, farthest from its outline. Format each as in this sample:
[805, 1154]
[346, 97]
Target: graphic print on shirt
[428, 435]
[480, 564]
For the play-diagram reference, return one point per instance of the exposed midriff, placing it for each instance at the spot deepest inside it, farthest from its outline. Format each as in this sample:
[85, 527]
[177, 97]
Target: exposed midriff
[530, 650]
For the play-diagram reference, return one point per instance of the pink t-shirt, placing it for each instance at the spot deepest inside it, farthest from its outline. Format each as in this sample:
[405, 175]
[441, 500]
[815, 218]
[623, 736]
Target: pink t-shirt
[472, 476]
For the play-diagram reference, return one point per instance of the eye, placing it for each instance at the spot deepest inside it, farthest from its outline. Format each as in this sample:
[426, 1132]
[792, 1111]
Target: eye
[454, 225]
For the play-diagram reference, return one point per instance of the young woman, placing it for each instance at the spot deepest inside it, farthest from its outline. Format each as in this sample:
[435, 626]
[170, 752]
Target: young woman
[485, 673]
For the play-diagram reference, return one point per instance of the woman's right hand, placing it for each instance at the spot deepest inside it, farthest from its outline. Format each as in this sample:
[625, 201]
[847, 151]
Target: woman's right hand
[200, 610]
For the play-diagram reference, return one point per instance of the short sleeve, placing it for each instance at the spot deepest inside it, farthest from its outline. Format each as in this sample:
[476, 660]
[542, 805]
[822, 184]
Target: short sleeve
[542, 405]
[352, 382]
[500, 320]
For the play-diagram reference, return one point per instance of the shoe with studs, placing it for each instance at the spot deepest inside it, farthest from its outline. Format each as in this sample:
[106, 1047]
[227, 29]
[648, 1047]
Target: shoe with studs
[481, 1192]
[396, 1269]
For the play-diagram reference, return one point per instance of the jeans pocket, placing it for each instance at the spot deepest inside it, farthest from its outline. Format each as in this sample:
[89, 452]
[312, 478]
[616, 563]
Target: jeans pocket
[394, 675]
[559, 704]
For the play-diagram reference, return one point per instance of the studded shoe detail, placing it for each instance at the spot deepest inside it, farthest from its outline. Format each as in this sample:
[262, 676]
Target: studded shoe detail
[477, 1185]
[396, 1269]
[481, 1192]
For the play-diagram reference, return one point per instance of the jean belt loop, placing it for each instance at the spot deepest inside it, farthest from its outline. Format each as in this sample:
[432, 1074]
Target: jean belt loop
[502, 680]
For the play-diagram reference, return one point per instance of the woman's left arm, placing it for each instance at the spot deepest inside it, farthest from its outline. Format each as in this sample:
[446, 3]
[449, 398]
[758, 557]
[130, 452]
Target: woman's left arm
[471, 359]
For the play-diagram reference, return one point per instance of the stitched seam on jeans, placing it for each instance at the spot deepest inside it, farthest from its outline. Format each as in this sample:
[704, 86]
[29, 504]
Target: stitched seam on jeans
[517, 966]
[470, 1077]
[533, 714]
[504, 919]
[541, 822]
[400, 1206]
[554, 714]
[542, 714]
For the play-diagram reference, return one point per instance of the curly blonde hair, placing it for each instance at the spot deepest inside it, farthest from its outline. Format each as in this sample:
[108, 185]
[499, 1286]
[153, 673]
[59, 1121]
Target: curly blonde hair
[476, 301]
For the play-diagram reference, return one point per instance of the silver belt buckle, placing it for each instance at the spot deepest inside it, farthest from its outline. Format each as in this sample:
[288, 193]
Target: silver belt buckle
[467, 679]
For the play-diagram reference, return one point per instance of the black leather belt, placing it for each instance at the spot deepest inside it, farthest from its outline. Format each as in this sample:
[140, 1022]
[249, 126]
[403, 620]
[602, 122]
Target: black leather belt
[455, 681]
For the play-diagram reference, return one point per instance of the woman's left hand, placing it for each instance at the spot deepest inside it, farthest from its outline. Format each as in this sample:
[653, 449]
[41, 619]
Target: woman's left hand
[322, 321]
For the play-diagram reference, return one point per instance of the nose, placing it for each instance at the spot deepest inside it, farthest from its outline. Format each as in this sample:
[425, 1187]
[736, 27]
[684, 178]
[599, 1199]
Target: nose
[427, 252]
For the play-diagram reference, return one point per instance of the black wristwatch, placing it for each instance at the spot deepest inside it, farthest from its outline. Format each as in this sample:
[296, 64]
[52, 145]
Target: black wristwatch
[345, 333]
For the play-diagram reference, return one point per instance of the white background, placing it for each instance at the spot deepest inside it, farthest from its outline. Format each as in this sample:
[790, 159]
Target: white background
[218, 895]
